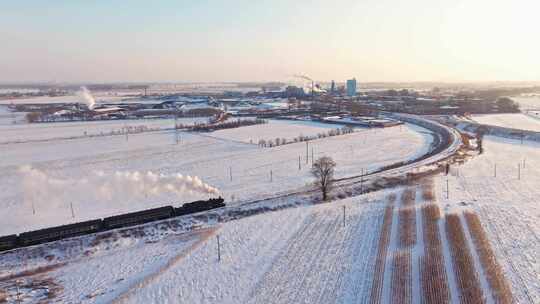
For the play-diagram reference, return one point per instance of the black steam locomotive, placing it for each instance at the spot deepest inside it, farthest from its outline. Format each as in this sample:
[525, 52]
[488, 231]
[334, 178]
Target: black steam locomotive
[113, 222]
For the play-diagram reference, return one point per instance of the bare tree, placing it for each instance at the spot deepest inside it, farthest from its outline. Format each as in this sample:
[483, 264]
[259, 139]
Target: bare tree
[323, 171]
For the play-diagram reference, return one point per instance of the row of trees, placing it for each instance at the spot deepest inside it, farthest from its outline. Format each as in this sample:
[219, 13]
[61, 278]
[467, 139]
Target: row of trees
[208, 127]
[301, 138]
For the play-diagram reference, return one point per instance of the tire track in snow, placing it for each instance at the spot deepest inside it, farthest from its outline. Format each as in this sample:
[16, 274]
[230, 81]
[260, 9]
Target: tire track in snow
[505, 227]
[392, 247]
[287, 279]
[321, 257]
[362, 258]
[202, 235]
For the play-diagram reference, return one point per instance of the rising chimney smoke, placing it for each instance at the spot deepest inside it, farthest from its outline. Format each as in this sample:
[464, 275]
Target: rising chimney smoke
[88, 98]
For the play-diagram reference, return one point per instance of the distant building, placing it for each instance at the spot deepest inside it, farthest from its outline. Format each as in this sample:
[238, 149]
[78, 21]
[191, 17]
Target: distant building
[333, 87]
[351, 87]
[293, 91]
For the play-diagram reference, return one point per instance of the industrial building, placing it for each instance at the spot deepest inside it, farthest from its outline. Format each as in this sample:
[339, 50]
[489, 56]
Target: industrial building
[351, 87]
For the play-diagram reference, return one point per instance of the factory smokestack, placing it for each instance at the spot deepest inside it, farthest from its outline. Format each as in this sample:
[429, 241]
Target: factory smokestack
[308, 79]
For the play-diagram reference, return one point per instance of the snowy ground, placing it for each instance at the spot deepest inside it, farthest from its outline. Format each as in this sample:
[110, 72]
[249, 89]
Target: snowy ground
[287, 129]
[100, 98]
[10, 133]
[43, 99]
[100, 270]
[298, 255]
[302, 254]
[239, 170]
[507, 205]
[10, 118]
[515, 121]
[528, 102]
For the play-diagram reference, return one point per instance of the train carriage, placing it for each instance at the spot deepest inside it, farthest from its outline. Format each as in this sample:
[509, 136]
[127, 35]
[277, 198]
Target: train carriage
[60, 232]
[119, 221]
[139, 217]
[8, 242]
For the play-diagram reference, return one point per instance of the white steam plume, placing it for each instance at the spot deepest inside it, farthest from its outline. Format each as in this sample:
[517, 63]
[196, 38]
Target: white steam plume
[88, 98]
[121, 187]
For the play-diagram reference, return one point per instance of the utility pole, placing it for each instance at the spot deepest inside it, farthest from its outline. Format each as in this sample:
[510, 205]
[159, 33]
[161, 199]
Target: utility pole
[299, 165]
[495, 170]
[218, 249]
[33, 208]
[18, 291]
[343, 215]
[230, 173]
[270, 175]
[175, 125]
[72, 212]
[447, 190]
[307, 152]
[312, 159]
[362, 182]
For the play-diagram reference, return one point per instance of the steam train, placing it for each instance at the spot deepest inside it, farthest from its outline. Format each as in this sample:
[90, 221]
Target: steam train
[113, 222]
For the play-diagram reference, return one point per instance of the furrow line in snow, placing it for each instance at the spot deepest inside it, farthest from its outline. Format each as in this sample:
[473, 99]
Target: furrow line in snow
[393, 247]
[382, 251]
[482, 277]
[203, 234]
[280, 264]
[468, 281]
[361, 257]
[401, 264]
[401, 277]
[493, 271]
[307, 280]
[286, 278]
[432, 271]
[504, 228]
[379, 275]
[418, 249]
[336, 263]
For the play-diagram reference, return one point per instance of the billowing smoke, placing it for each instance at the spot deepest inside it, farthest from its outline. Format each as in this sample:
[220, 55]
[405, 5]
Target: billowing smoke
[303, 77]
[121, 187]
[88, 98]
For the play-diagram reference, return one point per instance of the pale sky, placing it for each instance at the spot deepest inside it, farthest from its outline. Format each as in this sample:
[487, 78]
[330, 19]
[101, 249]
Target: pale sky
[250, 40]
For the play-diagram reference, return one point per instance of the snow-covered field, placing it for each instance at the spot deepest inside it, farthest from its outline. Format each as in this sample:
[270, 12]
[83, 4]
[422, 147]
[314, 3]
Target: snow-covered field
[528, 102]
[58, 173]
[302, 254]
[10, 133]
[283, 129]
[306, 254]
[43, 99]
[10, 118]
[103, 269]
[100, 98]
[515, 121]
[501, 185]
